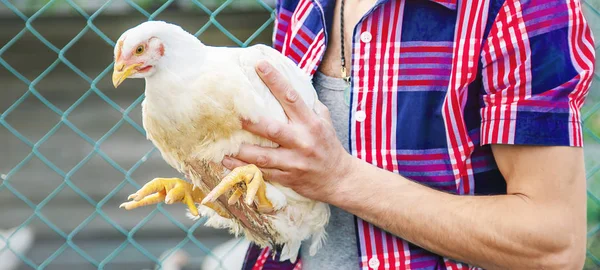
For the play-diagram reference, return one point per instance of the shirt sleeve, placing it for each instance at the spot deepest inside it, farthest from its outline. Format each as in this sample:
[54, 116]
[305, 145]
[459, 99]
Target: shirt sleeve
[537, 66]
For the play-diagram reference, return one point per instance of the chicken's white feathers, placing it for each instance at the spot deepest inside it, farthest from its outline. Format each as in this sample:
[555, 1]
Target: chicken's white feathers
[194, 98]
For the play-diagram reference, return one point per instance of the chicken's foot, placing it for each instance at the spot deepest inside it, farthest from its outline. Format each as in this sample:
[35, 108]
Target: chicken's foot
[170, 190]
[251, 178]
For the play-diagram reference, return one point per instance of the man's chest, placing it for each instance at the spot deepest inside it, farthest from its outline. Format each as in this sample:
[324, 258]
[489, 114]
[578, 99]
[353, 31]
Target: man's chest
[411, 39]
[414, 65]
[346, 15]
[398, 56]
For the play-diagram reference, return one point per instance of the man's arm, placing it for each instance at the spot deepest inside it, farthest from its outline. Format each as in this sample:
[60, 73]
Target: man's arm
[540, 224]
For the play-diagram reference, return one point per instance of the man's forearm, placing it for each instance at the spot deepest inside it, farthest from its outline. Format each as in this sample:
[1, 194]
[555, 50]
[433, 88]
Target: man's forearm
[506, 231]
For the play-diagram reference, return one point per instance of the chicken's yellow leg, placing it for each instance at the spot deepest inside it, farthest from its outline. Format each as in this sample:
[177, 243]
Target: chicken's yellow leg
[252, 177]
[170, 190]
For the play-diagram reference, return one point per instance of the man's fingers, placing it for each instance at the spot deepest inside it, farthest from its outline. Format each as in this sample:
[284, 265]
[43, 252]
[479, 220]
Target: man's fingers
[274, 175]
[262, 157]
[231, 163]
[290, 100]
[273, 130]
[322, 111]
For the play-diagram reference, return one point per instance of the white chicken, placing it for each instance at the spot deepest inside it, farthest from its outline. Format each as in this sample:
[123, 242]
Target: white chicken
[195, 98]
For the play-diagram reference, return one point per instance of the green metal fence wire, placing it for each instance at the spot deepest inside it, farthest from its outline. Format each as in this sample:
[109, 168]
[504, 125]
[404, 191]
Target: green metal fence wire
[126, 119]
[591, 116]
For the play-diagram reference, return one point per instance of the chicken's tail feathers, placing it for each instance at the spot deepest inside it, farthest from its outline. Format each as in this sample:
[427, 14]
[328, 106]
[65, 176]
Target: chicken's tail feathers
[318, 240]
[290, 251]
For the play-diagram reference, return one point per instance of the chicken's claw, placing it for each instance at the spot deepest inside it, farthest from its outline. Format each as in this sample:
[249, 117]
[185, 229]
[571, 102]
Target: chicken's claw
[169, 190]
[132, 197]
[235, 196]
[252, 178]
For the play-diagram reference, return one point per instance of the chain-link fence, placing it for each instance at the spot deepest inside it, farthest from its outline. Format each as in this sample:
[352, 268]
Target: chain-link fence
[72, 147]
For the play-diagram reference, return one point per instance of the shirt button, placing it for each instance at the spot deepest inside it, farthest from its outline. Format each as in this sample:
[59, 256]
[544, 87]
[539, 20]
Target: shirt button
[366, 37]
[374, 263]
[360, 116]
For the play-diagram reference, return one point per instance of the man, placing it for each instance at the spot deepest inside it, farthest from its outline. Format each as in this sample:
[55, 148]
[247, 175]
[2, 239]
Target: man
[461, 140]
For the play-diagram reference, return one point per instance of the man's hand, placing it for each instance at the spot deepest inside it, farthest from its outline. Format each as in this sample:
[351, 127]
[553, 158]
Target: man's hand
[310, 159]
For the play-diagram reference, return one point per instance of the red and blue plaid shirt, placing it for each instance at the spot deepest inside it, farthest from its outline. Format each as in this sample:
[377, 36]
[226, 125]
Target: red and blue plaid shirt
[434, 83]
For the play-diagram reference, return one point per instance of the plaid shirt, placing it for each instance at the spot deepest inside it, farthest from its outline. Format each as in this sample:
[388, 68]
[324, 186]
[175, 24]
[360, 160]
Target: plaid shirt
[434, 83]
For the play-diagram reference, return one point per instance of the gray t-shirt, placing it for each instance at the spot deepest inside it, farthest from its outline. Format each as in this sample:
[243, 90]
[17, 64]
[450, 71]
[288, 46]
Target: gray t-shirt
[339, 251]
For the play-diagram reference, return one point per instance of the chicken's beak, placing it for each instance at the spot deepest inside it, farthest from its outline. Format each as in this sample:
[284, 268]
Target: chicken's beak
[122, 72]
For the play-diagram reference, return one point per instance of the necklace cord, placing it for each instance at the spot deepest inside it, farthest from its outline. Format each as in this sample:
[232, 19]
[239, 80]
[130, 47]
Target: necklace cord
[343, 52]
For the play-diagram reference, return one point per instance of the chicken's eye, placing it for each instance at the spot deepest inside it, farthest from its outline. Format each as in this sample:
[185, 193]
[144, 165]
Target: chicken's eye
[139, 50]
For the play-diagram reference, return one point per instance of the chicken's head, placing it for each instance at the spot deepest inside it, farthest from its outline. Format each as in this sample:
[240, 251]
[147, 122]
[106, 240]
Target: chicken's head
[136, 54]
[149, 47]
